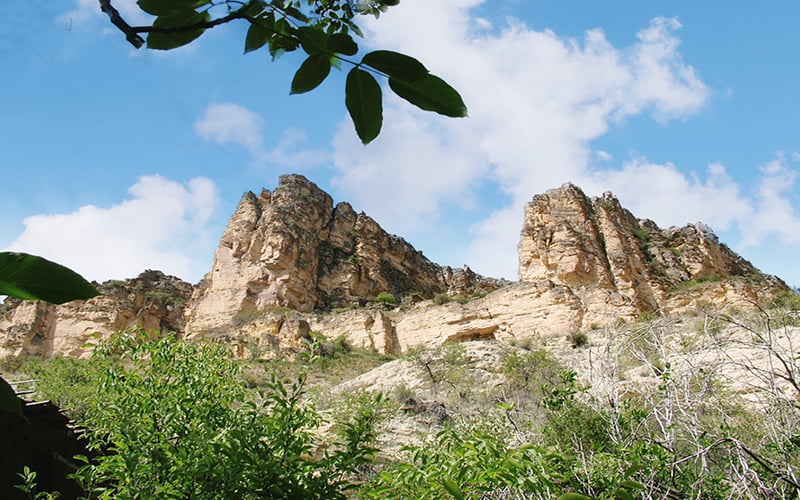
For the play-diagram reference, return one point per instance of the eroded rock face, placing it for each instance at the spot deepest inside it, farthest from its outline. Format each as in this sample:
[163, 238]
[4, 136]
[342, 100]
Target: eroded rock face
[293, 248]
[152, 300]
[289, 260]
[608, 257]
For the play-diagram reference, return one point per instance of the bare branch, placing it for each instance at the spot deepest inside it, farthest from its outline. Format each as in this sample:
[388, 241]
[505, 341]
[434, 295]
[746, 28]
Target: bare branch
[131, 34]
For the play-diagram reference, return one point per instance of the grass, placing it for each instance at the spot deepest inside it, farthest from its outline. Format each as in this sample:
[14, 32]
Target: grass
[693, 283]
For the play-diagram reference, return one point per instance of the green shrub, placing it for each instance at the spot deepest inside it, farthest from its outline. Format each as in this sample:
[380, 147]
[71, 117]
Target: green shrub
[789, 299]
[386, 299]
[441, 298]
[177, 422]
[478, 463]
[461, 299]
[577, 339]
[646, 316]
[689, 284]
[641, 234]
[163, 297]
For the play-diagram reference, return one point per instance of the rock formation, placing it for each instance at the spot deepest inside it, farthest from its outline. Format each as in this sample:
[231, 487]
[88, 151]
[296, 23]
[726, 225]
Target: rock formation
[152, 300]
[292, 248]
[292, 268]
[583, 263]
[606, 256]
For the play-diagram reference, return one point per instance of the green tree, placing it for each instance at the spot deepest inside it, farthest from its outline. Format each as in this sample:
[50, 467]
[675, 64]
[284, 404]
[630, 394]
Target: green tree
[323, 29]
[177, 422]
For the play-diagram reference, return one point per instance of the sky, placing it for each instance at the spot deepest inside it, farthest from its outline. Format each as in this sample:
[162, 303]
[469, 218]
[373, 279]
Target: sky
[116, 160]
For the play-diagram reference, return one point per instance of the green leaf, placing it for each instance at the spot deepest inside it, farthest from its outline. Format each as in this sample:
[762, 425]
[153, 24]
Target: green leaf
[431, 94]
[167, 41]
[313, 40]
[311, 73]
[631, 485]
[257, 37]
[363, 101]
[396, 65]
[573, 496]
[9, 402]
[296, 14]
[453, 489]
[33, 278]
[342, 43]
[255, 8]
[166, 7]
[623, 494]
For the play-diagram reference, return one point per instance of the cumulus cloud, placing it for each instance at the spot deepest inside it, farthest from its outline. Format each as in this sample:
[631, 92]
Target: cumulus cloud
[228, 123]
[161, 226]
[775, 207]
[536, 101]
[670, 197]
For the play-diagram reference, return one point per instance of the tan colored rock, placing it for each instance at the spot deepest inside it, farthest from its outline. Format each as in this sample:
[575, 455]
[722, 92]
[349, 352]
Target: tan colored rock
[288, 259]
[292, 248]
[152, 300]
[607, 257]
[366, 328]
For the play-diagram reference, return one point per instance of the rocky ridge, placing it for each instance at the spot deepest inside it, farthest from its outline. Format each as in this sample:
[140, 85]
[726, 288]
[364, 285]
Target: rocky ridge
[291, 263]
[152, 300]
[293, 248]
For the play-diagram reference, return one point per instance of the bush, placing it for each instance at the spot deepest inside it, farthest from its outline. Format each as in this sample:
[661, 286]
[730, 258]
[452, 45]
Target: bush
[441, 298]
[461, 299]
[480, 464]
[386, 298]
[177, 422]
[577, 339]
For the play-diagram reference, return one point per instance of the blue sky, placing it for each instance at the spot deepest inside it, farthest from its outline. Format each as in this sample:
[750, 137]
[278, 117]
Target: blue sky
[116, 160]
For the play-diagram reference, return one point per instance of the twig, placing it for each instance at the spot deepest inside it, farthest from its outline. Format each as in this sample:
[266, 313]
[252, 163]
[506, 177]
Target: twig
[130, 33]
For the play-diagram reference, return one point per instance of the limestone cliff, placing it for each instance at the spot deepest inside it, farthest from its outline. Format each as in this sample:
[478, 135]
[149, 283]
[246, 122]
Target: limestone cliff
[152, 300]
[292, 248]
[584, 263]
[291, 263]
[606, 256]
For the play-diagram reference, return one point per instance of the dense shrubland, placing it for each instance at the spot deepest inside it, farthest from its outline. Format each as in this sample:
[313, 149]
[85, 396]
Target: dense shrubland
[695, 407]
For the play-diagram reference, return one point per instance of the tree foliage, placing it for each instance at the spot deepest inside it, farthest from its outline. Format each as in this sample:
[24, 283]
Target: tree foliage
[323, 29]
[177, 422]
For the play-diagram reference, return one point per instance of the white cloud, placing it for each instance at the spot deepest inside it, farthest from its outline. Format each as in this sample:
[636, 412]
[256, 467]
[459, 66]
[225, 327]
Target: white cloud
[160, 227]
[536, 101]
[228, 123]
[775, 206]
[670, 197]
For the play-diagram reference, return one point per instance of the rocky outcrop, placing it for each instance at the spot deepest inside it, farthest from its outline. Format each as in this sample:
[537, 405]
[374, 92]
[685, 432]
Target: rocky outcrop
[292, 248]
[606, 256]
[153, 301]
[584, 263]
[293, 269]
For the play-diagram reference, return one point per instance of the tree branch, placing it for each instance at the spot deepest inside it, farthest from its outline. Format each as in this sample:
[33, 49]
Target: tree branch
[130, 33]
[236, 14]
